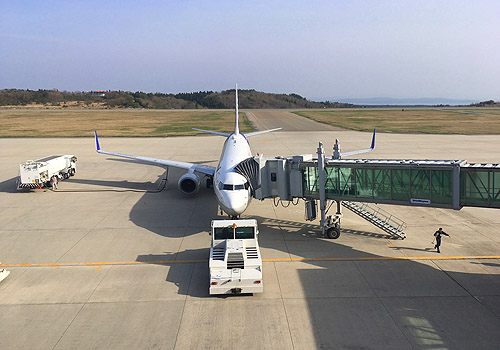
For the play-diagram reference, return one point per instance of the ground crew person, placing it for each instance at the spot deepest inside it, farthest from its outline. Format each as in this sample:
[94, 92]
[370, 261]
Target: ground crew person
[53, 181]
[438, 234]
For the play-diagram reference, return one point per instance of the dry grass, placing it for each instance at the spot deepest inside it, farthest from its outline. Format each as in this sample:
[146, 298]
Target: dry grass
[117, 122]
[472, 121]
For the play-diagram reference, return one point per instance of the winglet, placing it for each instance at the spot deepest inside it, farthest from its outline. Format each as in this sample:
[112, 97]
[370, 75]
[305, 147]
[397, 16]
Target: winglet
[97, 141]
[372, 147]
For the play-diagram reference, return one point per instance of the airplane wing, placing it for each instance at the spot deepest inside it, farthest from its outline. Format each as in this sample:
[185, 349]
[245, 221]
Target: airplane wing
[204, 169]
[342, 154]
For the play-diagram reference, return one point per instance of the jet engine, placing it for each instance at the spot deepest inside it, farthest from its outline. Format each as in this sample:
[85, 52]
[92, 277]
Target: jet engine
[189, 183]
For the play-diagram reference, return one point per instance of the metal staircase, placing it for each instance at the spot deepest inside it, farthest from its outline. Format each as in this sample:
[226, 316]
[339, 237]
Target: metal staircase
[378, 217]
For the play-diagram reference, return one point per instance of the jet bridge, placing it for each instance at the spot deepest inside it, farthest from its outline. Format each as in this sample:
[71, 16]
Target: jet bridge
[430, 183]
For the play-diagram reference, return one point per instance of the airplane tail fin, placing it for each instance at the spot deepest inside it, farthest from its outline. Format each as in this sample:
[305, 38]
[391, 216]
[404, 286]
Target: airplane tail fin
[236, 124]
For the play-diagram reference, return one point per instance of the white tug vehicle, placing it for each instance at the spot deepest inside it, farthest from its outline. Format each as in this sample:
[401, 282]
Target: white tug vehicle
[235, 260]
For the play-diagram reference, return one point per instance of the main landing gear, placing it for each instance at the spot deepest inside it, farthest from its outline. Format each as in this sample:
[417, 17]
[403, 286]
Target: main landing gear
[332, 223]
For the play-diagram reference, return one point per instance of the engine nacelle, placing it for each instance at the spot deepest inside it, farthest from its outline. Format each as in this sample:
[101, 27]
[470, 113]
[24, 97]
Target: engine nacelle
[189, 183]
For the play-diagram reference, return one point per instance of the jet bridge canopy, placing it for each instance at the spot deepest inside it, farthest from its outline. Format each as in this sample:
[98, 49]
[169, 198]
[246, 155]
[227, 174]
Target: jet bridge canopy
[436, 183]
[405, 182]
[433, 183]
[480, 185]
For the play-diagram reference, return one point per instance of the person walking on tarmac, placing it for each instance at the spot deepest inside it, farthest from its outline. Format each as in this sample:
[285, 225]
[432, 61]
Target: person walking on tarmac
[437, 235]
[53, 181]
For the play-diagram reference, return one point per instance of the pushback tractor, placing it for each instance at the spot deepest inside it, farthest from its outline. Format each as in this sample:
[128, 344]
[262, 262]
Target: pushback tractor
[235, 260]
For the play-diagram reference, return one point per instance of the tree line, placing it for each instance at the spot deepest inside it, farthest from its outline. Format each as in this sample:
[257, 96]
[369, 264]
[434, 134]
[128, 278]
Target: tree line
[249, 99]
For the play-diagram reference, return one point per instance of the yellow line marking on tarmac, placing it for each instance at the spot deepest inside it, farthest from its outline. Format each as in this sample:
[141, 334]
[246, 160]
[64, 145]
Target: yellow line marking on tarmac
[100, 264]
[98, 268]
[261, 123]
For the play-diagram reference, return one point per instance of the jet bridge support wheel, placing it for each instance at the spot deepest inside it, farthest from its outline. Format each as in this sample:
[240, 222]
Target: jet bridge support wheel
[333, 232]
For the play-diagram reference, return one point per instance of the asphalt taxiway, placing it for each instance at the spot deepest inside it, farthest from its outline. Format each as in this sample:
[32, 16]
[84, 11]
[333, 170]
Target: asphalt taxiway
[111, 262]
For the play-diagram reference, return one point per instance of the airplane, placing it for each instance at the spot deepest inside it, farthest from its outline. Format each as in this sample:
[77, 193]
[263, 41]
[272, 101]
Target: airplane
[232, 190]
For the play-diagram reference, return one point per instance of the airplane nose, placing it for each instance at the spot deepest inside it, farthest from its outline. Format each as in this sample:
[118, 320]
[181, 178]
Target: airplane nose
[236, 204]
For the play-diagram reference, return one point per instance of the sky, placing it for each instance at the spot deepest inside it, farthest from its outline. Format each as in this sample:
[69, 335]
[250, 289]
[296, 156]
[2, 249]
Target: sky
[318, 49]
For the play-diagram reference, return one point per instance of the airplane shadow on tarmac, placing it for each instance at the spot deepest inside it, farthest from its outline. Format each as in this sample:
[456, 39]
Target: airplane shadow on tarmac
[361, 300]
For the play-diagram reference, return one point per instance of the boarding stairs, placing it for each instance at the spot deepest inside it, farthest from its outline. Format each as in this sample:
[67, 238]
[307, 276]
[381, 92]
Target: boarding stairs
[378, 217]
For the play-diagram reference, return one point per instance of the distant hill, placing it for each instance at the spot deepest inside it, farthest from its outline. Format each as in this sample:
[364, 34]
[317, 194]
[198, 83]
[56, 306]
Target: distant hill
[489, 103]
[390, 101]
[249, 99]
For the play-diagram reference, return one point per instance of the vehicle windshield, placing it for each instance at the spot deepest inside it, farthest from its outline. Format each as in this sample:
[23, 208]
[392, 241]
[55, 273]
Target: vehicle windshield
[245, 232]
[223, 232]
[227, 233]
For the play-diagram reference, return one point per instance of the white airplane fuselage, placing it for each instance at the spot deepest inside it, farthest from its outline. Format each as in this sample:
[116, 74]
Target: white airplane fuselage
[232, 189]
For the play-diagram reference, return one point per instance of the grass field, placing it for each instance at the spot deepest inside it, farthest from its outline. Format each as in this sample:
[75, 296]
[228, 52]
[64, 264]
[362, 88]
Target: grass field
[161, 123]
[116, 122]
[472, 121]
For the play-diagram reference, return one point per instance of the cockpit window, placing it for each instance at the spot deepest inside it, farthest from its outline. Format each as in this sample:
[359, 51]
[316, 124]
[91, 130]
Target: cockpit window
[231, 187]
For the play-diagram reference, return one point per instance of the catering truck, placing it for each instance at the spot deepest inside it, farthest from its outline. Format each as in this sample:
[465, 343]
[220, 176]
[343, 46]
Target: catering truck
[235, 261]
[37, 174]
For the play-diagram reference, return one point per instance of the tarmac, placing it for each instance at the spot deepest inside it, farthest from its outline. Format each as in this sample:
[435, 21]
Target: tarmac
[116, 260]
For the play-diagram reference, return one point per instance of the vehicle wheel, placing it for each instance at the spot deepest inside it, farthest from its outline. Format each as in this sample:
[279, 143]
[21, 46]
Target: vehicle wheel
[66, 176]
[72, 172]
[333, 232]
[209, 183]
